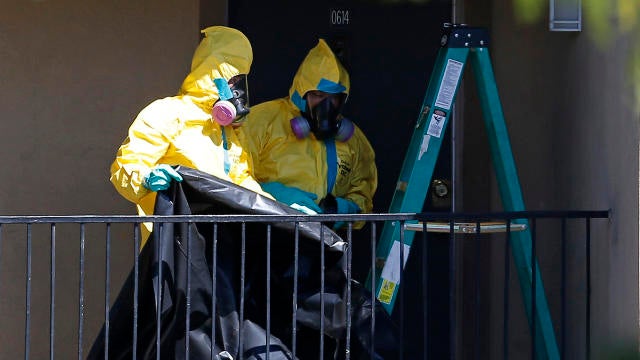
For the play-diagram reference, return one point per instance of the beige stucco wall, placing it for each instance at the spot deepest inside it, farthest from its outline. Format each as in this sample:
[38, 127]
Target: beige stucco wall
[569, 106]
[604, 156]
[74, 73]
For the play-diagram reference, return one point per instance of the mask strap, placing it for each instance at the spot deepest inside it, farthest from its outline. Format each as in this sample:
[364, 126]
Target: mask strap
[227, 165]
[224, 91]
[332, 163]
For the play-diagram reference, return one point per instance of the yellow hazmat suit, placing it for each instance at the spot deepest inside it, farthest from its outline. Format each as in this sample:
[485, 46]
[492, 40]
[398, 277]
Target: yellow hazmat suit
[179, 130]
[278, 155]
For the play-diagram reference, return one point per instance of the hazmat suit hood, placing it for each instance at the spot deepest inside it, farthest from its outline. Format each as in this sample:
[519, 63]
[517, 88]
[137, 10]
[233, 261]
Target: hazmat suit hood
[212, 59]
[333, 79]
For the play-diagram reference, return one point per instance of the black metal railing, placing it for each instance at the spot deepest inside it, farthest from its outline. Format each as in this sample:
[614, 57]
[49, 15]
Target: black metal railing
[59, 274]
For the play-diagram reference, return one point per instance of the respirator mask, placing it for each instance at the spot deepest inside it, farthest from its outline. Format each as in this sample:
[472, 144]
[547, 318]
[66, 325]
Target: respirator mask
[324, 120]
[232, 105]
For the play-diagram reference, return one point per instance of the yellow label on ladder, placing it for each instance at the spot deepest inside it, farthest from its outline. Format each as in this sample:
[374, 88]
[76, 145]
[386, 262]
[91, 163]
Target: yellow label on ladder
[386, 291]
[391, 272]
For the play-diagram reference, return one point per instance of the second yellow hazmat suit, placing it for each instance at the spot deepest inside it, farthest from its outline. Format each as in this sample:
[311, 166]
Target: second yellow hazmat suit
[279, 156]
[179, 130]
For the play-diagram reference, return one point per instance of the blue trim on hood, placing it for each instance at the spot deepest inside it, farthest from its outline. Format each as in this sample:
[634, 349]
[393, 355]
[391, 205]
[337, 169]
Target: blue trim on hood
[325, 85]
[330, 87]
[299, 101]
[224, 91]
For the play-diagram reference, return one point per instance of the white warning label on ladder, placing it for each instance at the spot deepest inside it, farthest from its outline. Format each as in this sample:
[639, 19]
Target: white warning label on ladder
[391, 272]
[449, 84]
[436, 124]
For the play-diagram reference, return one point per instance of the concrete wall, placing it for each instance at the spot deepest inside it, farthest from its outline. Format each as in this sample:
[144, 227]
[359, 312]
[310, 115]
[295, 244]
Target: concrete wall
[74, 74]
[568, 104]
[599, 169]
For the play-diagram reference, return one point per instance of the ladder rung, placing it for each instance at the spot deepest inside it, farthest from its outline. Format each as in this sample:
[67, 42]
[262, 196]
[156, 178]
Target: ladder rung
[466, 227]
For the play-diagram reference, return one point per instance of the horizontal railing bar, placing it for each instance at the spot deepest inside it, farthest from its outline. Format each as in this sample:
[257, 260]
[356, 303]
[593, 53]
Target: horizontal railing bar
[519, 214]
[202, 218]
[34, 219]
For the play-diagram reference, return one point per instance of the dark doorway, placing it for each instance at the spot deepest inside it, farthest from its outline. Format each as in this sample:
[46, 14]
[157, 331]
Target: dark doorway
[389, 48]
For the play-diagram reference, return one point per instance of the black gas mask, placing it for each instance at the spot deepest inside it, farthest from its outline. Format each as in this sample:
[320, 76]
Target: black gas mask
[323, 119]
[240, 89]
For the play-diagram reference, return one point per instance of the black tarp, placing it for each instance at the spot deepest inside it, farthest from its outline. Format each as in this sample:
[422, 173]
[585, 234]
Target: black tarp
[240, 258]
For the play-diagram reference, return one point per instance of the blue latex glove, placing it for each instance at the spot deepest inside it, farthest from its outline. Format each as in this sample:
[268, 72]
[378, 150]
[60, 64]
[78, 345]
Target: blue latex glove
[160, 178]
[345, 207]
[294, 197]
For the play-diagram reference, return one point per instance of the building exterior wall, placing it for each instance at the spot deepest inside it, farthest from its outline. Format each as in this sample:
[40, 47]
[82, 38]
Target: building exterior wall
[74, 74]
[568, 104]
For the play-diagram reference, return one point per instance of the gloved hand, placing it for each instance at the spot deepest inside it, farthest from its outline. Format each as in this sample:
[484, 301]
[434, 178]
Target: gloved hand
[345, 206]
[294, 197]
[337, 205]
[160, 178]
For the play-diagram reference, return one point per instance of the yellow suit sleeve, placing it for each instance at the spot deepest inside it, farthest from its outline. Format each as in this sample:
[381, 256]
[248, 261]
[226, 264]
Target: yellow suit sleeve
[147, 143]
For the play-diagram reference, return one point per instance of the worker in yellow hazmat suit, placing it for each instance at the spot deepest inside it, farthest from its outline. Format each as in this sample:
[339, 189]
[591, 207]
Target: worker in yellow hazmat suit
[305, 152]
[192, 129]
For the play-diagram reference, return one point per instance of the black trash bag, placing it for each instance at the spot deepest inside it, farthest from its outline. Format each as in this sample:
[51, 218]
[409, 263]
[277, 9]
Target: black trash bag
[175, 243]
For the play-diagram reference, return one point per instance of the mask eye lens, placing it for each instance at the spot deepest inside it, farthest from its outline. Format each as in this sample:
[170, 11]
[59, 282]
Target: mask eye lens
[236, 79]
[336, 100]
[315, 97]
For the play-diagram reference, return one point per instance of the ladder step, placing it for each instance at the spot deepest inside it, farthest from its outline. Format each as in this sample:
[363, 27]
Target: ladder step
[466, 227]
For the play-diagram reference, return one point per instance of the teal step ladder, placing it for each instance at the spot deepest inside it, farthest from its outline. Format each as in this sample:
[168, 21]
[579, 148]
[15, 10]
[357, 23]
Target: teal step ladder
[459, 44]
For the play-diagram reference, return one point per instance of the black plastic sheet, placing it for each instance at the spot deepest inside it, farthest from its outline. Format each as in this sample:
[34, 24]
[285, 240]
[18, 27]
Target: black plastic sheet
[233, 258]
